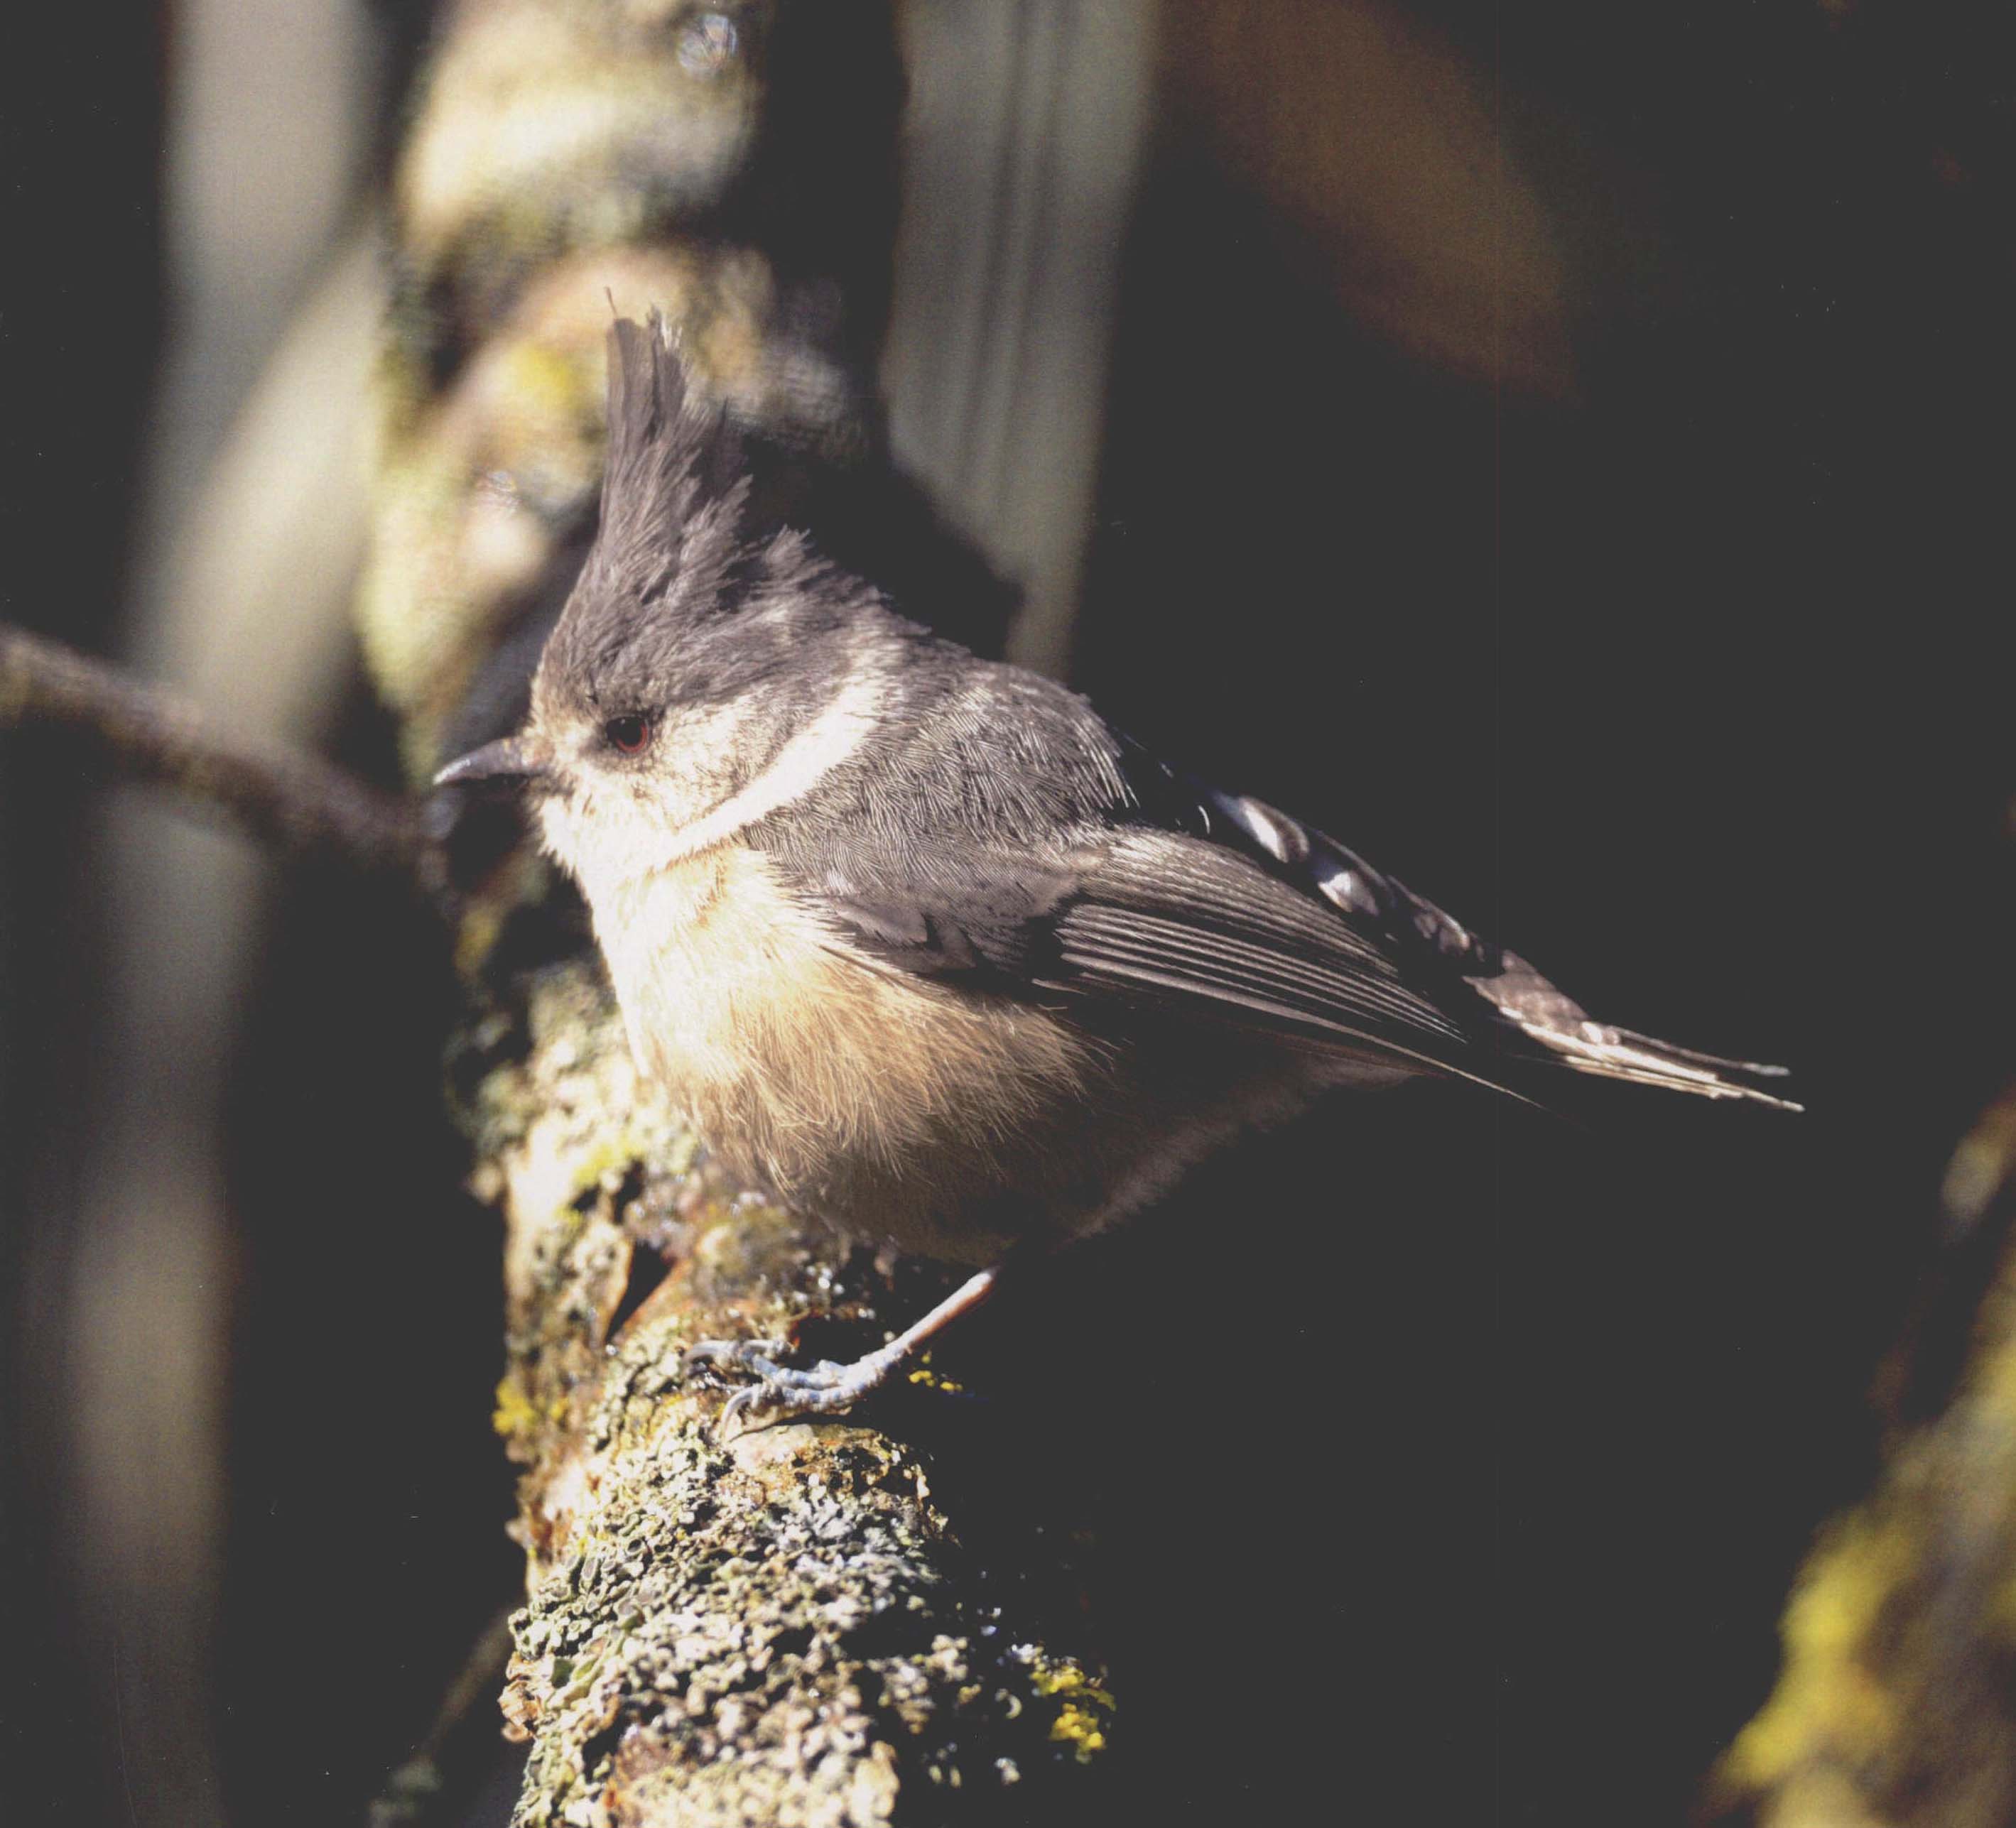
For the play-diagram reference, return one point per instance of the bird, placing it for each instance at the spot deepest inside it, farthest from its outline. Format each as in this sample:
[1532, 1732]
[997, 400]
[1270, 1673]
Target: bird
[921, 944]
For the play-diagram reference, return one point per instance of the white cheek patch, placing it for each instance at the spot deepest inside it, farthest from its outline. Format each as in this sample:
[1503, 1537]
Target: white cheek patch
[615, 827]
[697, 766]
[836, 734]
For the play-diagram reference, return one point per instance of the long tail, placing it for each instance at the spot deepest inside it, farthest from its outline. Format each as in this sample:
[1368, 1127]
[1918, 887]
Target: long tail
[1567, 1037]
[1558, 1029]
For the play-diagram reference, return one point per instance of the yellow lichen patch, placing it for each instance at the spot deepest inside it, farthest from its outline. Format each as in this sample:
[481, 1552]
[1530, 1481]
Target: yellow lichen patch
[1080, 1728]
[1081, 1721]
[515, 1413]
[1067, 1678]
[930, 1380]
[1828, 1702]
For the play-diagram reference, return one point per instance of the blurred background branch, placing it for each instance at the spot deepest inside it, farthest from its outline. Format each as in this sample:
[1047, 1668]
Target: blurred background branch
[145, 734]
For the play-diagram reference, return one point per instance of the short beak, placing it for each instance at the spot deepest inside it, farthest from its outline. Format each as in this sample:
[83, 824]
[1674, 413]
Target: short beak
[508, 759]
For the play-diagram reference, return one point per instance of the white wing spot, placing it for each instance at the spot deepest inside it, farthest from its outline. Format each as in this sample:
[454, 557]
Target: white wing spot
[1339, 887]
[1265, 828]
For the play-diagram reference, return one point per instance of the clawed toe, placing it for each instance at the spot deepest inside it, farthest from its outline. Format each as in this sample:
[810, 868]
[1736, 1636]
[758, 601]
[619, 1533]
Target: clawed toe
[756, 1353]
[785, 1390]
[781, 1391]
[740, 1405]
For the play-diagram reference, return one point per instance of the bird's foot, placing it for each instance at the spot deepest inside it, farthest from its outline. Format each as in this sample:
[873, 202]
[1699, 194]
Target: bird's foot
[782, 1391]
[829, 1385]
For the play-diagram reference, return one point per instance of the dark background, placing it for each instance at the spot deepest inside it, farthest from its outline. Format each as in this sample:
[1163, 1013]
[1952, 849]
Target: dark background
[1692, 684]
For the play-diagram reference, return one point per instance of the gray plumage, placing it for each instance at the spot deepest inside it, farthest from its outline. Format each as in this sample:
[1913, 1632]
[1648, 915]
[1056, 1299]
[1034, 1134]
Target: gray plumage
[920, 941]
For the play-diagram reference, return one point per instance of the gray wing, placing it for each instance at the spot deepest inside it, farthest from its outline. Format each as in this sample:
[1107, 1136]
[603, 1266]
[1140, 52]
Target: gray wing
[1187, 922]
[1216, 907]
[1074, 867]
[1157, 919]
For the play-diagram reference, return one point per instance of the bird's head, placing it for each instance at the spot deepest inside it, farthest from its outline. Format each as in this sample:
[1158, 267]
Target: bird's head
[700, 669]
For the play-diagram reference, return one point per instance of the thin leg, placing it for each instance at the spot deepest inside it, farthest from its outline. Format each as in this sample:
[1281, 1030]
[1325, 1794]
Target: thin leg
[829, 1385]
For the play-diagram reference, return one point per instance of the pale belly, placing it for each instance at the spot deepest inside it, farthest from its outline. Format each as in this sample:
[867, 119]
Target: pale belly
[898, 1109]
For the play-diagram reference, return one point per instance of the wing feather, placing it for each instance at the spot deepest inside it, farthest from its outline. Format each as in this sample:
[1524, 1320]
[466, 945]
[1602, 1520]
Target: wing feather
[1092, 870]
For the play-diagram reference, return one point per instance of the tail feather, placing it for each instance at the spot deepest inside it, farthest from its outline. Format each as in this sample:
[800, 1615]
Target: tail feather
[1567, 1037]
[1615, 1053]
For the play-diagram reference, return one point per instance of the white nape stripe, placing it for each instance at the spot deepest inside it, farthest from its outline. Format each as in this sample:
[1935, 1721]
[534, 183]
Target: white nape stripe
[835, 735]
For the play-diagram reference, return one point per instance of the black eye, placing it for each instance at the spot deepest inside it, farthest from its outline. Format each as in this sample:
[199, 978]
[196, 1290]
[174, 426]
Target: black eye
[630, 734]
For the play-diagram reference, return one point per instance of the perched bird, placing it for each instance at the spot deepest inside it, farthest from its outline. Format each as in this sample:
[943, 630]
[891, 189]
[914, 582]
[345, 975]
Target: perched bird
[917, 940]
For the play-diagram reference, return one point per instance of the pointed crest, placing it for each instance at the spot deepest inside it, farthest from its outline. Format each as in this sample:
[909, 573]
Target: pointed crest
[668, 455]
[670, 546]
